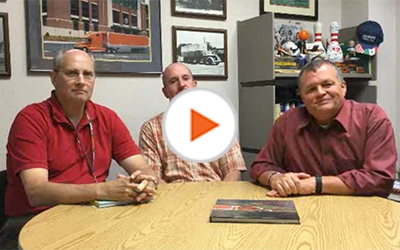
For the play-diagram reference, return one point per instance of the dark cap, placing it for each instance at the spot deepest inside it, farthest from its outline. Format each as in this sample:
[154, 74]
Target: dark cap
[369, 36]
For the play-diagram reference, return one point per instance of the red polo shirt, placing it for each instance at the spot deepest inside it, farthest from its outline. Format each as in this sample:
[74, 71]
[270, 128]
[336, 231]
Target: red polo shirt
[42, 137]
[358, 147]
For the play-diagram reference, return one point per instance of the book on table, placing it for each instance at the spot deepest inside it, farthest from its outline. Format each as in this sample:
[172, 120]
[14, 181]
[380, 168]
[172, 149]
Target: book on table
[108, 203]
[255, 211]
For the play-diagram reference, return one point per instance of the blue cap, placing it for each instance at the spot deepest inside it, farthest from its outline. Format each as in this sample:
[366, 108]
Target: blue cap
[369, 36]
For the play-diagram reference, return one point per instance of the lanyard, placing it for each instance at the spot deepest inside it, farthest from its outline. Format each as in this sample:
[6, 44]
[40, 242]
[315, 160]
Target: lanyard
[90, 164]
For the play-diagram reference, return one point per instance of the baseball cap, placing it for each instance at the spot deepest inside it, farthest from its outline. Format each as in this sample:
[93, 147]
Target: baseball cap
[369, 36]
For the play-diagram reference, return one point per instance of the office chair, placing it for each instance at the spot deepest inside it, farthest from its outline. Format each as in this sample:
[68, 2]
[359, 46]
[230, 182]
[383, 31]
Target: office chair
[3, 185]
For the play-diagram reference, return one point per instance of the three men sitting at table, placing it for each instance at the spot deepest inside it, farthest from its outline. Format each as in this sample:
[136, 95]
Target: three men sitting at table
[332, 145]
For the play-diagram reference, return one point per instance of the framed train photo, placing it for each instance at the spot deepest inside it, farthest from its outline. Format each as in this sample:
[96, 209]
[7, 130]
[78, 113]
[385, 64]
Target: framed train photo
[203, 51]
[123, 36]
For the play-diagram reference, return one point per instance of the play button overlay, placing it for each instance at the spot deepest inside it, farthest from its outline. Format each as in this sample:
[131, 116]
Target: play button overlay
[199, 125]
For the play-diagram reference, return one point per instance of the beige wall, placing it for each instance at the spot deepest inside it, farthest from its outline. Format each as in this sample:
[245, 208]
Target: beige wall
[136, 99]
[384, 12]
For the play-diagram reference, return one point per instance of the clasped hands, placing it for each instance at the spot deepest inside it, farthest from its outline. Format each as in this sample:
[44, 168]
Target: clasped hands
[285, 184]
[124, 188]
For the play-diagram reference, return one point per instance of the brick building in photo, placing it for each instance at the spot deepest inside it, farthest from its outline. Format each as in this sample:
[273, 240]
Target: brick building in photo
[76, 17]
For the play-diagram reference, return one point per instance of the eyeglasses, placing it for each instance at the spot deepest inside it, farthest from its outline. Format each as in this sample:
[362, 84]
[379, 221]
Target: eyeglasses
[74, 74]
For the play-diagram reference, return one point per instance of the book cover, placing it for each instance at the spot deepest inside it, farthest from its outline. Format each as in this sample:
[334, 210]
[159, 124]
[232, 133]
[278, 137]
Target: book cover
[255, 211]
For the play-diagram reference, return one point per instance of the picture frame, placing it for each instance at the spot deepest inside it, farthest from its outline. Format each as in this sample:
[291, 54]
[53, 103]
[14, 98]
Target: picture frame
[5, 63]
[126, 43]
[203, 50]
[288, 9]
[204, 9]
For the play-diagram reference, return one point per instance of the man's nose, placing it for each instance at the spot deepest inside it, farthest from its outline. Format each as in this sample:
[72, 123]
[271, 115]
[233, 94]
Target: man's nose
[80, 79]
[320, 90]
[181, 83]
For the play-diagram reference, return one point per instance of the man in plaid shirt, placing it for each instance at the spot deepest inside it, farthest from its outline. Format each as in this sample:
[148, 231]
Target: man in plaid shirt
[170, 167]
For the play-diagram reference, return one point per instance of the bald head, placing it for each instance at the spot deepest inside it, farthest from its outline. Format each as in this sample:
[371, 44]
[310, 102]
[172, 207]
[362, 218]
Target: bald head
[73, 78]
[176, 77]
[58, 60]
[171, 68]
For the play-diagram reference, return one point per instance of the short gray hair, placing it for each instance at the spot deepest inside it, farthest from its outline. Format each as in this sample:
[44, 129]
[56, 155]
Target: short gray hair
[57, 60]
[315, 64]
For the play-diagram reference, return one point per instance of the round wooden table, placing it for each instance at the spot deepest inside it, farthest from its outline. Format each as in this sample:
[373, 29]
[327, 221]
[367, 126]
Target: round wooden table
[179, 219]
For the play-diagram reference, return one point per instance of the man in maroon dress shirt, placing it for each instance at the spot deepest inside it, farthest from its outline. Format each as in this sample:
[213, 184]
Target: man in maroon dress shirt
[331, 146]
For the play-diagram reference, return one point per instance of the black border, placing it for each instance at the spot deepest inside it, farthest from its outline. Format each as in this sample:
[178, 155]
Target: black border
[6, 36]
[174, 12]
[291, 16]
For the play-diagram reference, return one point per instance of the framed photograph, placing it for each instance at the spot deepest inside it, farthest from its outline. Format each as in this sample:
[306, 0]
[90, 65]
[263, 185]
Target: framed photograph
[5, 65]
[124, 37]
[291, 9]
[287, 31]
[206, 9]
[204, 51]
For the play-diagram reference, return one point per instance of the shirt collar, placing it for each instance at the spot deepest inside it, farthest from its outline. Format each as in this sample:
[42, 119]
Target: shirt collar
[304, 119]
[343, 115]
[341, 118]
[58, 113]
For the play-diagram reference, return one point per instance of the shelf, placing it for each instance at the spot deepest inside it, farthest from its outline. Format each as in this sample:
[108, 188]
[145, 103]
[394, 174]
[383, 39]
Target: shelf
[358, 76]
[286, 75]
[345, 76]
[256, 58]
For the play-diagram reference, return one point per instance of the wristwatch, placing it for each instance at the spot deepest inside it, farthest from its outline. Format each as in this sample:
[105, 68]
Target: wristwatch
[318, 184]
[269, 177]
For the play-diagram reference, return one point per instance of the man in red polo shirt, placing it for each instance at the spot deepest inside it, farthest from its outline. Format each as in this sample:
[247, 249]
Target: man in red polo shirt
[332, 145]
[59, 151]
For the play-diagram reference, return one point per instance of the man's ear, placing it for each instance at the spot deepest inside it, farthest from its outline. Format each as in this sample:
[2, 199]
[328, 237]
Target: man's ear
[298, 94]
[165, 92]
[195, 83]
[53, 75]
[344, 88]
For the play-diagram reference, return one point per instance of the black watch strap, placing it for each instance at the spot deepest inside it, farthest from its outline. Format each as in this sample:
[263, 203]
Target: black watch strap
[318, 184]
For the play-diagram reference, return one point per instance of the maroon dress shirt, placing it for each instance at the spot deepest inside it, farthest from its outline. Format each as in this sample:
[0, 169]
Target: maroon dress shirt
[358, 147]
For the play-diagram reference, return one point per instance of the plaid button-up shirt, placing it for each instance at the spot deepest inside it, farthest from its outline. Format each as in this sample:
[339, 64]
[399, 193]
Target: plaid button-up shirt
[171, 168]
